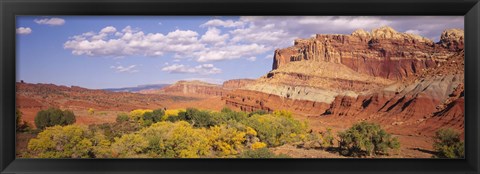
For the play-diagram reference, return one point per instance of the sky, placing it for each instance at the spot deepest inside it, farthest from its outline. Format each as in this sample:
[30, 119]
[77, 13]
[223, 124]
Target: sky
[99, 52]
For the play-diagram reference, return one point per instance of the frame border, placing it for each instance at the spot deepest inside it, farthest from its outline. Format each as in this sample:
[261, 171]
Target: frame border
[10, 8]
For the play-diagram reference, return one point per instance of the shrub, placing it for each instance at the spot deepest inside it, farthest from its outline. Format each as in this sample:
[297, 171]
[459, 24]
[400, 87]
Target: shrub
[448, 144]
[138, 114]
[366, 139]
[21, 126]
[52, 117]
[91, 111]
[175, 140]
[258, 145]
[258, 112]
[117, 129]
[129, 145]
[279, 129]
[226, 141]
[327, 138]
[122, 118]
[152, 117]
[62, 142]
[101, 146]
[261, 153]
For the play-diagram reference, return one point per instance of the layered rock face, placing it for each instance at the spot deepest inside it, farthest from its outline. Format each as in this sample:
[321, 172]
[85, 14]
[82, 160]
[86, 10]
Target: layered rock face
[406, 82]
[383, 53]
[196, 87]
[237, 83]
[190, 87]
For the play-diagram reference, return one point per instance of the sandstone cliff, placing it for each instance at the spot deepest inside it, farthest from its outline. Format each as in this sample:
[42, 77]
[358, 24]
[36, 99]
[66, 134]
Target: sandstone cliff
[408, 83]
[382, 53]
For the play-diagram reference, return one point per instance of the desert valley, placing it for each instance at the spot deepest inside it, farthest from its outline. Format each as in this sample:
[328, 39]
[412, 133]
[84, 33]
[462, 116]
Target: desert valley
[408, 84]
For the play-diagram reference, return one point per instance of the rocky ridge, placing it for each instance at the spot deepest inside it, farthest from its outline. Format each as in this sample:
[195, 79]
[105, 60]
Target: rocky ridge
[401, 80]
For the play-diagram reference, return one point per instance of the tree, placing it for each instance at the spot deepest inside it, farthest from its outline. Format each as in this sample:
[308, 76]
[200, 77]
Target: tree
[70, 141]
[152, 117]
[54, 116]
[21, 126]
[366, 139]
[448, 144]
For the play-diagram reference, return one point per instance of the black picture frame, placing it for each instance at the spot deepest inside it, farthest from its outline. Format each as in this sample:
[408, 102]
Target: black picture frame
[11, 8]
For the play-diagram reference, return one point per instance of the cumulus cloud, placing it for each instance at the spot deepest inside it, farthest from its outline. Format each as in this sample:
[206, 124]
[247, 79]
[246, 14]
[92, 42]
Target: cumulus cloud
[211, 46]
[128, 69]
[109, 29]
[214, 36]
[50, 21]
[24, 30]
[204, 69]
[130, 41]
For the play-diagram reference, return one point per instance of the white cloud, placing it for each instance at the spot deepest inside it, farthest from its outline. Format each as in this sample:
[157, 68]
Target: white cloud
[222, 23]
[50, 21]
[204, 69]
[213, 36]
[229, 52]
[418, 32]
[252, 59]
[109, 29]
[128, 69]
[130, 41]
[24, 30]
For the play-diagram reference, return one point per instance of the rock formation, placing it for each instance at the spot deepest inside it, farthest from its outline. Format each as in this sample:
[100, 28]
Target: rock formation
[406, 82]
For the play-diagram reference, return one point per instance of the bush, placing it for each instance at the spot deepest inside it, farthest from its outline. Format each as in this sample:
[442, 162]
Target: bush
[52, 117]
[62, 142]
[21, 126]
[366, 139]
[277, 129]
[258, 112]
[91, 111]
[122, 118]
[117, 129]
[129, 145]
[448, 144]
[226, 141]
[175, 140]
[261, 153]
[152, 117]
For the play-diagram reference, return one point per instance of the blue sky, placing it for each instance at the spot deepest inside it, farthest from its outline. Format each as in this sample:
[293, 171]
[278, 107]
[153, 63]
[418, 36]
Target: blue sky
[107, 51]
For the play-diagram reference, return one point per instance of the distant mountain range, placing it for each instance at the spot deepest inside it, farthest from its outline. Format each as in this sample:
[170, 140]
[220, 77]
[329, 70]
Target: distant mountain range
[137, 88]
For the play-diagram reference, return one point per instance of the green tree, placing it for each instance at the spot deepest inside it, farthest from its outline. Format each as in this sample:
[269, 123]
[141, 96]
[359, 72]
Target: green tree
[54, 116]
[152, 117]
[366, 139]
[21, 126]
[448, 144]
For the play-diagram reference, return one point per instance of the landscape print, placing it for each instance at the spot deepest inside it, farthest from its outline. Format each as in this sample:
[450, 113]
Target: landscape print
[240, 87]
